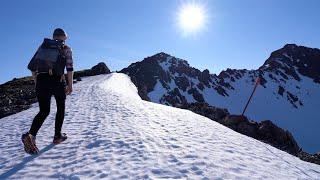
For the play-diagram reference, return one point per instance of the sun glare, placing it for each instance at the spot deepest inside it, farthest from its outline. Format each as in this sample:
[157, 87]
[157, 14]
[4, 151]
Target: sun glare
[191, 18]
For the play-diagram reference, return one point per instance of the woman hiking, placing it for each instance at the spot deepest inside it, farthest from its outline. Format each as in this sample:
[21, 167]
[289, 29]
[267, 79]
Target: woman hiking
[47, 67]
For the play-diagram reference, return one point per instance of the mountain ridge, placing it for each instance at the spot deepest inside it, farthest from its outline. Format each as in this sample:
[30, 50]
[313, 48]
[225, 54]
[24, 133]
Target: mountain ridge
[290, 76]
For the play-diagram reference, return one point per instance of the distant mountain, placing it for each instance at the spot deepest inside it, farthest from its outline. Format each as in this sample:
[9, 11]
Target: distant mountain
[288, 95]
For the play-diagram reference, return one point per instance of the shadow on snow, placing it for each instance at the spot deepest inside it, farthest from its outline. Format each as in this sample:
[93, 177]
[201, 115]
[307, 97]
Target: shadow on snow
[25, 161]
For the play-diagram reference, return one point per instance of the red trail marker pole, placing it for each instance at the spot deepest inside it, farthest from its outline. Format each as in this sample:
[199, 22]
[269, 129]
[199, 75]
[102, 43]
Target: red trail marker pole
[254, 89]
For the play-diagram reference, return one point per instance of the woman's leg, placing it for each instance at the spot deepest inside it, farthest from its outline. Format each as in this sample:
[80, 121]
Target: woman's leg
[59, 115]
[60, 96]
[44, 97]
[44, 105]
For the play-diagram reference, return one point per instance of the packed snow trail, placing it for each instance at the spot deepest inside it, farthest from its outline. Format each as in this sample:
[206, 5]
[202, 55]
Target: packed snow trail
[113, 134]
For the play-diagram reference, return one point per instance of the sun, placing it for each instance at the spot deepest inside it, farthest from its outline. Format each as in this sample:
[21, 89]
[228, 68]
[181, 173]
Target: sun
[191, 17]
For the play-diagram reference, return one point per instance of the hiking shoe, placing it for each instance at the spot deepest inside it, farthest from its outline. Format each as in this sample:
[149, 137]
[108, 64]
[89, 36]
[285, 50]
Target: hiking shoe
[29, 143]
[57, 139]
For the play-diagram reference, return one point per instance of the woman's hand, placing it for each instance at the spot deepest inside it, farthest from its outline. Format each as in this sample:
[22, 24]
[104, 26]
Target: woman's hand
[68, 89]
[70, 82]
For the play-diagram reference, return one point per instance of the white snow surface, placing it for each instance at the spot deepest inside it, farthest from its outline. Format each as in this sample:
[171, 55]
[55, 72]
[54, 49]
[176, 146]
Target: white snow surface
[113, 134]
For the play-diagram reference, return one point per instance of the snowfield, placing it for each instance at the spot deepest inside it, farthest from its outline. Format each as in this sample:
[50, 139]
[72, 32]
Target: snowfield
[113, 134]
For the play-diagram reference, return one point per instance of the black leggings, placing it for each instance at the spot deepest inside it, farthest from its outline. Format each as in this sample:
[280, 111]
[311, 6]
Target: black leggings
[46, 87]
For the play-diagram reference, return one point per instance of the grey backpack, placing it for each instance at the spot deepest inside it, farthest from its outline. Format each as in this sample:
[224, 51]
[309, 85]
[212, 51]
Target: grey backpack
[49, 57]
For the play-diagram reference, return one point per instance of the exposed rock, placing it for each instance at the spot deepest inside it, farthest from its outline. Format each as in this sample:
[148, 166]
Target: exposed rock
[196, 95]
[214, 113]
[147, 73]
[233, 121]
[241, 124]
[100, 68]
[182, 82]
[278, 137]
[174, 98]
[205, 77]
[220, 90]
[315, 158]
[281, 90]
[248, 128]
[16, 95]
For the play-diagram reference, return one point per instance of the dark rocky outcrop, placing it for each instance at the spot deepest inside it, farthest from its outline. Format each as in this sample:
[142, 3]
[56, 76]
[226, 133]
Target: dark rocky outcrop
[277, 137]
[281, 90]
[100, 68]
[18, 94]
[169, 70]
[174, 98]
[242, 125]
[313, 158]
[204, 109]
[145, 74]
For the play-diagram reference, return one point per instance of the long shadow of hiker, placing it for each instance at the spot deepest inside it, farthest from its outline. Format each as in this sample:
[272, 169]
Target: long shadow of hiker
[25, 161]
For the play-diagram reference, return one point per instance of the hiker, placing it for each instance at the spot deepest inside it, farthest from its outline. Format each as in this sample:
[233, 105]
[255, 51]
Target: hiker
[47, 67]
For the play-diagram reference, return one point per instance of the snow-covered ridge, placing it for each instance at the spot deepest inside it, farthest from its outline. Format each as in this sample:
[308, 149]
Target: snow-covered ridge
[115, 135]
[122, 85]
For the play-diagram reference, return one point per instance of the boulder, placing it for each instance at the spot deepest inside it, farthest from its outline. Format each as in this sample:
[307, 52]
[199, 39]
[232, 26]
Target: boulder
[309, 158]
[248, 128]
[232, 121]
[204, 109]
[278, 137]
[100, 68]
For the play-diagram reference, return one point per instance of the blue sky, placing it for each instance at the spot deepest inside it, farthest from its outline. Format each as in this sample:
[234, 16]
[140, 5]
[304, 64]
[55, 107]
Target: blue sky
[238, 34]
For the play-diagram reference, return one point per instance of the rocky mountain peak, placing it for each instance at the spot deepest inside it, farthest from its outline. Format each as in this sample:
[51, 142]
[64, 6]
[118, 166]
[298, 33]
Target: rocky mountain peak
[158, 57]
[168, 59]
[293, 60]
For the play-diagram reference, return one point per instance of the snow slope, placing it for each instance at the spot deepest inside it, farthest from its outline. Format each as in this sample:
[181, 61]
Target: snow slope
[113, 134]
